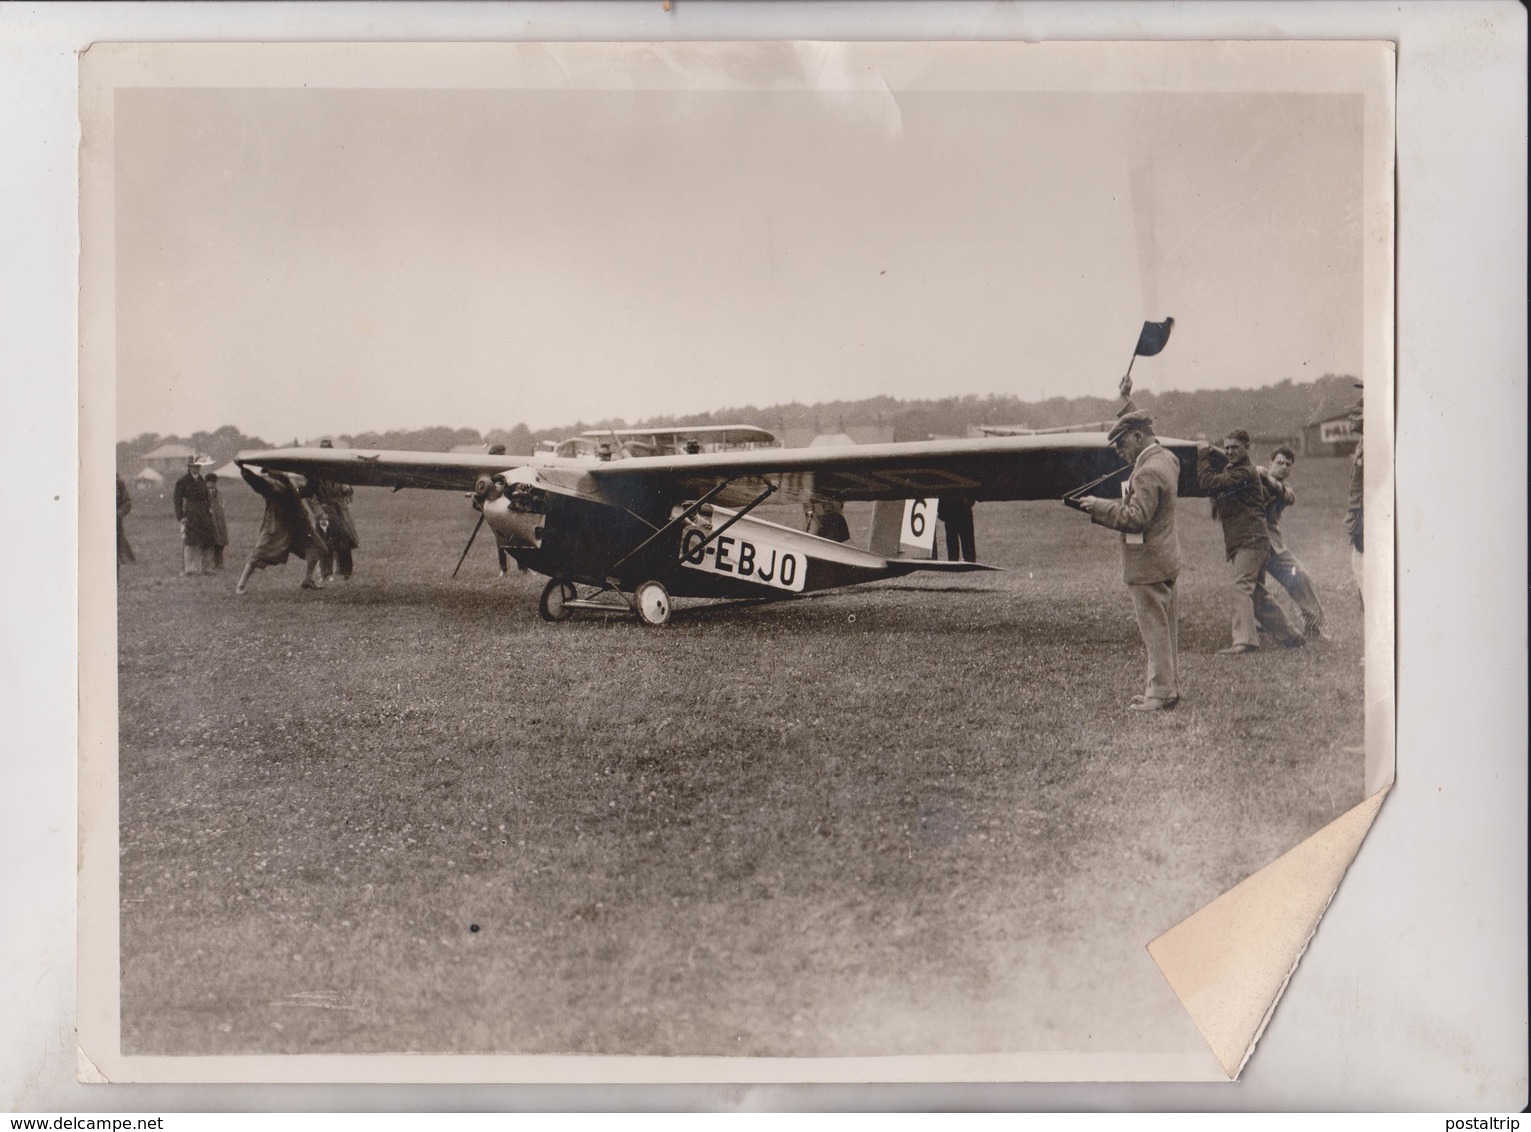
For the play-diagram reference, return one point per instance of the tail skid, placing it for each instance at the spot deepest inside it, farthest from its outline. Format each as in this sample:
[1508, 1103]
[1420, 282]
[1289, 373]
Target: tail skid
[939, 565]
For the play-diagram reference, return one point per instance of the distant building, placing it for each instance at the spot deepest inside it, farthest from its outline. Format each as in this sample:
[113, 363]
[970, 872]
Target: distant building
[169, 459]
[854, 434]
[1333, 437]
[831, 440]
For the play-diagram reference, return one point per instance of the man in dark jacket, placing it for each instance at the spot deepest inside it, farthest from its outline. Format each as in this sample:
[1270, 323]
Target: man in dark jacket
[1238, 502]
[956, 515]
[331, 505]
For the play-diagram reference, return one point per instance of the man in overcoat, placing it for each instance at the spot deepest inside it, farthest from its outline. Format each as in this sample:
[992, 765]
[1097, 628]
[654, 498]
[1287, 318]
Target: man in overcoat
[284, 529]
[1150, 551]
[194, 513]
[1238, 502]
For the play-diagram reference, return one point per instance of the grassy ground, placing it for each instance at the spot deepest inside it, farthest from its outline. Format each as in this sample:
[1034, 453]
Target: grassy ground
[405, 814]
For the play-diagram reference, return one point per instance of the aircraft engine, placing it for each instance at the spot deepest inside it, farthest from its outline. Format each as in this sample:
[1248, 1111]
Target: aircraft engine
[518, 508]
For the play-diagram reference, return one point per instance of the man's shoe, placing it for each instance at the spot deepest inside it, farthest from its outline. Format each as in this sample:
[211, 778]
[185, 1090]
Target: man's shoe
[1294, 642]
[1238, 650]
[1151, 704]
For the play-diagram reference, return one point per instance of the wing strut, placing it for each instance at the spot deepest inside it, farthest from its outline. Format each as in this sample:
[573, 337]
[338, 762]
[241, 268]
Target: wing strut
[1072, 498]
[717, 532]
[675, 522]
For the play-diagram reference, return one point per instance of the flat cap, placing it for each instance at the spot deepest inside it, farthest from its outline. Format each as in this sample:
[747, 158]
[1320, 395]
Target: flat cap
[1127, 422]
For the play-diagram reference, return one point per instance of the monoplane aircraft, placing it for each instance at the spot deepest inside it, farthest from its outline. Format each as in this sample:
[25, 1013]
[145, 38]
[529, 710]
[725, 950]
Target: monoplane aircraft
[628, 520]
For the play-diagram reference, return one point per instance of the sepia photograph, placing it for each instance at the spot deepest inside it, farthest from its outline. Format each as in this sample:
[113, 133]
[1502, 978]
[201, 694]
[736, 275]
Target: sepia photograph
[706, 561]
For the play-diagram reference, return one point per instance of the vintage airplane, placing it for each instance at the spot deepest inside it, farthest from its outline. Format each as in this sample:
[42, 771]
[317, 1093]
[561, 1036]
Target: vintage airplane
[629, 519]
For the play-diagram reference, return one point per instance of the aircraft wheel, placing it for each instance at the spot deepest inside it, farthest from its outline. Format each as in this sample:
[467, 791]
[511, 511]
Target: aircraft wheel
[555, 594]
[652, 602]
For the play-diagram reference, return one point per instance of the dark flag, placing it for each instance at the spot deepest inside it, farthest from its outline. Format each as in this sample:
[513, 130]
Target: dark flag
[1153, 338]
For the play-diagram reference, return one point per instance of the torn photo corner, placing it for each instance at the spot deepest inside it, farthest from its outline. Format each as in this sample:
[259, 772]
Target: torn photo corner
[396, 826]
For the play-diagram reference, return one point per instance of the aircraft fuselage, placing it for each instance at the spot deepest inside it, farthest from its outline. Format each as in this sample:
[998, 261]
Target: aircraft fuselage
[562, 526]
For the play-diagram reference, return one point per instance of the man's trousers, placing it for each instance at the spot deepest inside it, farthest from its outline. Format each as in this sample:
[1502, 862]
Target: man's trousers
[1284, 567]
[1158, 608]
[1253, 608]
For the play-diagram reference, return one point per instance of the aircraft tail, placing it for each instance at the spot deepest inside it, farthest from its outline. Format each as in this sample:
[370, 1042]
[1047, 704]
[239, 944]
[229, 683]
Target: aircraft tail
[887, 526]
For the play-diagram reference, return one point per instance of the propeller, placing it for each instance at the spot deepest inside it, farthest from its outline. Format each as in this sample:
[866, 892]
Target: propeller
[487, 487]
[469, 547]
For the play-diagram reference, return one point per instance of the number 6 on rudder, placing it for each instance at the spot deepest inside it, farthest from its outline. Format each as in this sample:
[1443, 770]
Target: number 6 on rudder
[919, 524]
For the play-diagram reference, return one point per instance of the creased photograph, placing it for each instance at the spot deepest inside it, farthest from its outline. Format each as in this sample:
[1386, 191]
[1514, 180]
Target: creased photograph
[726, 561]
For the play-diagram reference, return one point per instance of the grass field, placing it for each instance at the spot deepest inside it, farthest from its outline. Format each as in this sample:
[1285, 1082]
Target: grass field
[405, 814]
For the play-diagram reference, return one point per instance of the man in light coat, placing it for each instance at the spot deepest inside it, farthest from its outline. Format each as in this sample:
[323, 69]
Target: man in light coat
[1150, 551]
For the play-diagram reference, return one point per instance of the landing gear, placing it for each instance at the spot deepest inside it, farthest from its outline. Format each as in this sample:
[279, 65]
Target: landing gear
[561, 597]
[651, 601]
[556, 596]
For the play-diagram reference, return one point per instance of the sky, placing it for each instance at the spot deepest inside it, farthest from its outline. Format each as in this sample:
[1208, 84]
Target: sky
[298, 261]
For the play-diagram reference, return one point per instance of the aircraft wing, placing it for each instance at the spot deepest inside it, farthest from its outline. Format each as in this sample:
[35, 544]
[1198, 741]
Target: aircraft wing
[988, 468]
[443, 471]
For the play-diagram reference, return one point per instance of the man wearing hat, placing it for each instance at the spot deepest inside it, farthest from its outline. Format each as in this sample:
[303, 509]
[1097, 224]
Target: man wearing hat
[1150, 551]
[194, 511]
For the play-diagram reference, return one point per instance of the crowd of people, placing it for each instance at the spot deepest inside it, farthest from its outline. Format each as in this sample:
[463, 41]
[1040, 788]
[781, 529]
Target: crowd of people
[1248, 501]
[305, 518]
